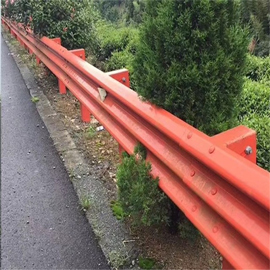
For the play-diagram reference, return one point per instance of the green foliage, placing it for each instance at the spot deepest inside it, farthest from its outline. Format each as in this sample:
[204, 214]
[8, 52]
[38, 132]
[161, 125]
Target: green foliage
[147, 263]
[135, 11]
[188, 231]
[258, 69]
[8, 8]
[35, 99]
[255, 107]
[256, 13]
[91, 132]
[124, 59]
[140, 151]
[119, 60]
[190, 60]
[71, 20]
[85, 203]
[112, 39]
[261, 124]
[110, 10]
[121, 11]
[3, 3]
[255, 99]
[117, 260]
[138, 193]
[117, 210]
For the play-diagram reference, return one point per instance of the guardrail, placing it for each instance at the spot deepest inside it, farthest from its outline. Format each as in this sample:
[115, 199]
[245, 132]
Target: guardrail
[213, 180]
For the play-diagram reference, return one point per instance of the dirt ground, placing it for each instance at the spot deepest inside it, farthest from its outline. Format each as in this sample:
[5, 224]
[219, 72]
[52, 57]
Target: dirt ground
[98, 147]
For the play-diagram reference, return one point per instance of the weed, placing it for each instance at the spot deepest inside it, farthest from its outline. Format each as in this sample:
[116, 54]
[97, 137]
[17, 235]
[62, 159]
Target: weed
[147, 263]
[97, 231]
[117, 210]
[35, 99]
[116, 259]
[85, 203]
[13, 42]
[91, 132]
[72, 175]
[99, 144]
[140, 150]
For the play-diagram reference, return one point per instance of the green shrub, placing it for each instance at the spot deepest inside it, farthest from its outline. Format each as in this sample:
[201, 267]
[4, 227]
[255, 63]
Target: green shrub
[119, 60]
[258, 69]
[255, 13]
[124, 58]
[254, 105]
[138, 193]
[190, 60]
[255, 99]
[112, 39]
[72, 21]
[134, 11]
[109, 9]
[261, 124]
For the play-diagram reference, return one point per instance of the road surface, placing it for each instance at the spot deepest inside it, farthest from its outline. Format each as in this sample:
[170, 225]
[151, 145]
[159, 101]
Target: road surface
[42, 225]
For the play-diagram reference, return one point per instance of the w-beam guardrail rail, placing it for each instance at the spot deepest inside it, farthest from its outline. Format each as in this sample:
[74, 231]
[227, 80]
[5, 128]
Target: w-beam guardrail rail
[214, 180]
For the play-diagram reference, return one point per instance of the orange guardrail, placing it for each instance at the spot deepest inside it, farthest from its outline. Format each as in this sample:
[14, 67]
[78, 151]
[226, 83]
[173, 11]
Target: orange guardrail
[213, 180]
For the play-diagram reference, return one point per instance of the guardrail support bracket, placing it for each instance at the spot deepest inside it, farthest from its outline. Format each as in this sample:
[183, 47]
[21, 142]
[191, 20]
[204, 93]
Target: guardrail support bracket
[79, 52]
[120, 75]
[238, 139]
[57, 40]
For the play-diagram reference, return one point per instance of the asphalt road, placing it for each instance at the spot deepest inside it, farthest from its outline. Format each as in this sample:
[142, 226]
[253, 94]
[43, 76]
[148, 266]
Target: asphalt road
[42, 226]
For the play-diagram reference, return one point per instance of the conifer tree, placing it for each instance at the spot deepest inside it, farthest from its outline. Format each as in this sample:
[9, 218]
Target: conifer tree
[190, 60]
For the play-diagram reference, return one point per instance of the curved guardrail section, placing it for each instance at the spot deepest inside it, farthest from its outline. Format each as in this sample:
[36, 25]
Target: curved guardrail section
[213, 180]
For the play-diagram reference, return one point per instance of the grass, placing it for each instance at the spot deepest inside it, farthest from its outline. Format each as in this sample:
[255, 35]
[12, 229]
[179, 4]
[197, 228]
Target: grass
[147, 263]
[116, 259]
[117, 210]
[35, 99]
[85, 203]
[72, 175]
[91, 132]
[97, 231]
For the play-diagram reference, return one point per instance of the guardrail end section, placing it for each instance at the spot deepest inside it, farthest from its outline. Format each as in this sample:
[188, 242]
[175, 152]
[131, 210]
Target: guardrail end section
[79, 52]
[120, 75]
[57, 40]
[85, 114]
[241, 140]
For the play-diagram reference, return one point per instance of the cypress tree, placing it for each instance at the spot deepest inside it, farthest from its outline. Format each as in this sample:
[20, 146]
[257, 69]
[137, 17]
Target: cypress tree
[190, 60]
